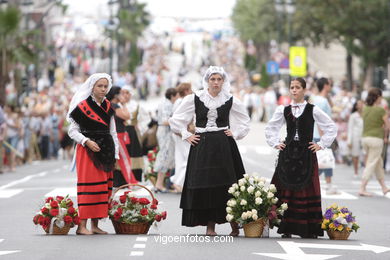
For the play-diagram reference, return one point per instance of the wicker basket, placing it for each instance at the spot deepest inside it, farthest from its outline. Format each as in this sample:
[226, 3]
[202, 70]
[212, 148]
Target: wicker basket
[58, 231]
[338, 235]
[134, 228]
[255, 228]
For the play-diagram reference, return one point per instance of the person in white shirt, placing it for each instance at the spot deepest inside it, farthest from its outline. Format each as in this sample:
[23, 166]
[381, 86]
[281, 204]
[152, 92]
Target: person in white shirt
[296, 175]
[214, 161]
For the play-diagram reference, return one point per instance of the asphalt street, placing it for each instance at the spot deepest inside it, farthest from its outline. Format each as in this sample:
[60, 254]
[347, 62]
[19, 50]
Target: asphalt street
[22, 193]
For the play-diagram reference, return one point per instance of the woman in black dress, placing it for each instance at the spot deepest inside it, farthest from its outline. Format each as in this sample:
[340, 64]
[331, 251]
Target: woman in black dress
[214, 161]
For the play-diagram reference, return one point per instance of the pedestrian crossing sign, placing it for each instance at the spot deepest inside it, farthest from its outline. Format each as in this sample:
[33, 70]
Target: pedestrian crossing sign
[298, 66]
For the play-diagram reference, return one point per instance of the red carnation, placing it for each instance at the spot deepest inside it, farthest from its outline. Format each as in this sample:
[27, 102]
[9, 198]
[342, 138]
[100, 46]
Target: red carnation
[144, 201]
[120, 211]
[76, 220]
[45, 210]
[46, 221]
[117, 216]
[155, 201]
[59, 198]
[134, 200]
[122, 198]
[49, 199]
[54, 212]
[69, 203]
[68, 219]
[153, 206]
[144, 212]
[36, 219]
[41, 220]
[157, 218]
[54, 204]
[71, 210]
[164, 215]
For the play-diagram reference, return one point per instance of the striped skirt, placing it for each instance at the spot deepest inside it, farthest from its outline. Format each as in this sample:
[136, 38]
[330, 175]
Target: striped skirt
[304, 214]
[94, 187]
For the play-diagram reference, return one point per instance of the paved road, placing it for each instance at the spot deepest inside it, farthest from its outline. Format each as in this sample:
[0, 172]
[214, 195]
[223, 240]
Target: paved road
[21, 195]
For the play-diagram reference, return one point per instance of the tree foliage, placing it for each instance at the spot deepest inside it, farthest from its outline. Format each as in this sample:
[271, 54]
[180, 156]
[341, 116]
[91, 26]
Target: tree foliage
[15, 45]
[256, 20]
[133, 20]
[363, 27]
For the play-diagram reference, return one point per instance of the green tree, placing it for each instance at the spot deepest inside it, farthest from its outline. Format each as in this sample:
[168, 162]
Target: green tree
[15, 47]
[363, 27]
[257, 20]
[133, 20]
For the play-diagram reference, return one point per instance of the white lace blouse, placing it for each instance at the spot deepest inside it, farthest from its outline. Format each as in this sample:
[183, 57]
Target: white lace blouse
[238, 116]
[323, 121]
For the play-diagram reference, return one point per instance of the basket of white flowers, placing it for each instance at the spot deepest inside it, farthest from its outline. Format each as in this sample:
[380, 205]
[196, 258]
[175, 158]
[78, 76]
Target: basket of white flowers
[253, 205]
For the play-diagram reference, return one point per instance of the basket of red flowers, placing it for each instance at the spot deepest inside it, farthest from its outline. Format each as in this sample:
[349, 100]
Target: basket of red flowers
[57, 215]
[132, 215]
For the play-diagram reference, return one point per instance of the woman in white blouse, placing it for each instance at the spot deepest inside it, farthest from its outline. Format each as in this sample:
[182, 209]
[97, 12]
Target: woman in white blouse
[214, 162]
[296, 174]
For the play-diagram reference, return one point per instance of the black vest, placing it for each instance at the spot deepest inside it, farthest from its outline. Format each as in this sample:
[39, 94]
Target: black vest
[94, 122]
[304, 124]
[223, 113]
[295, 162]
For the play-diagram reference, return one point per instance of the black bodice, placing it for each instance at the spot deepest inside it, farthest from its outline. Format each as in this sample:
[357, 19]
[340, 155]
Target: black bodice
[94, 122]
[223, 113]
[304, 124]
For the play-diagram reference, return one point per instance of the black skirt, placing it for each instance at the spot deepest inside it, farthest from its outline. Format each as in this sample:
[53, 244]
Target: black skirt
[214, 164]
[135, 152]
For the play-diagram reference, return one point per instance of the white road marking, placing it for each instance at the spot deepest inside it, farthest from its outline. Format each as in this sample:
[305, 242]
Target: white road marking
[380, 193]
[293, 250]
[141, 239]
[136, 253]
[5, 194]
[72, 192]
[342, 196]
[25, 179]
[7, 252]
[139, 246]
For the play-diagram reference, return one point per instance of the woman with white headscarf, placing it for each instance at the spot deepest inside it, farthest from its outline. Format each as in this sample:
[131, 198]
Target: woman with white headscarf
[92, 126]
[214, 161]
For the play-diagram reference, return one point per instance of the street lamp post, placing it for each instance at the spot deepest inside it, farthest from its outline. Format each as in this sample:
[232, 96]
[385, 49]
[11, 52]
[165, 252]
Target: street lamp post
[111, 27]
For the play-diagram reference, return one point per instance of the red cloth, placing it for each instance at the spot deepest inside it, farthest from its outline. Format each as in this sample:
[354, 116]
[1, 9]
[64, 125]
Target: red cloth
[304, 214]
[94, 187]
[124, 158]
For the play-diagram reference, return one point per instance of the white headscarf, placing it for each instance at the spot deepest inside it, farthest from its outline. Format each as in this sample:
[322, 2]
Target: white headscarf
[85, 90]
[129, 88]
[216, 70]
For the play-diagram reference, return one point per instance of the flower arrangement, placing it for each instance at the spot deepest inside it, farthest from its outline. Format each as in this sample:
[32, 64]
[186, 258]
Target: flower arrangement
[58, 211]
[130, 209]
[339, 219]
[253, 200]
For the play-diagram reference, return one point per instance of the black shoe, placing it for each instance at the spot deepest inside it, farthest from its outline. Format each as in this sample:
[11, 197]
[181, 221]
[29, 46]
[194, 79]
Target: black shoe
[286, 236]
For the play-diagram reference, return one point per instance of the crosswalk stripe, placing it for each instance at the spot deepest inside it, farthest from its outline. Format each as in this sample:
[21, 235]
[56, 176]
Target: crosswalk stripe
[72, 191]
[5, 194]
[341, 196]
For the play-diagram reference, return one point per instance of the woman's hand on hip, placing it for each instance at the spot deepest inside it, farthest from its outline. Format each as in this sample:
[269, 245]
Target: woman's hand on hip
[193, 139]
[228, 132]
[314, 147]
[93, 146]
[280, 146]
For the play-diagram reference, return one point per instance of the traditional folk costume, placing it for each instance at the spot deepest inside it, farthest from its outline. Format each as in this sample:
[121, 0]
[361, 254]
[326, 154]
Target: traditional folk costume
[89, 120]
[182, 149]
[214, 164]
[124, 174]
[296, 174]
[134, 147]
